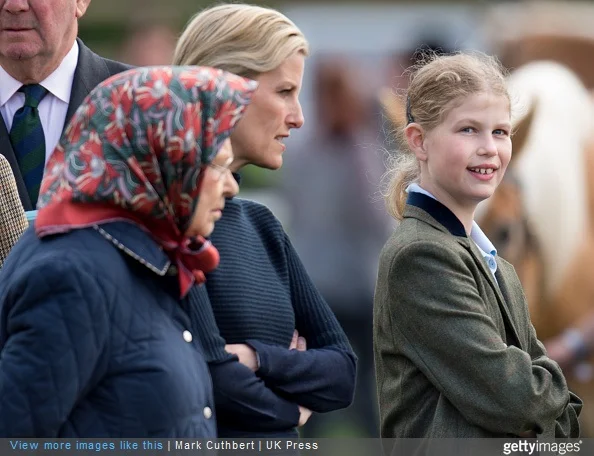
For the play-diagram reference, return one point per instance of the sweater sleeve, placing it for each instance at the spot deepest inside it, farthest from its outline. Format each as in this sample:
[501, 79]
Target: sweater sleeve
[242, 400]
[53, 333]
[322, 378]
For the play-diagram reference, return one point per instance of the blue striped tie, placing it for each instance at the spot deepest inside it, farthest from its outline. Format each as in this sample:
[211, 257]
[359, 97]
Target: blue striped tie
[28, 141]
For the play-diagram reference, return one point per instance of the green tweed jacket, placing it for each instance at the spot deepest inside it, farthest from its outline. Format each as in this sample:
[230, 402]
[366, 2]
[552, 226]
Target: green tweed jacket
[456, 354]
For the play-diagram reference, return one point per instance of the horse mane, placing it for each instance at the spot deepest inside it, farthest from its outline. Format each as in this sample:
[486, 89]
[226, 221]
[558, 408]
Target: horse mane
[552, 164]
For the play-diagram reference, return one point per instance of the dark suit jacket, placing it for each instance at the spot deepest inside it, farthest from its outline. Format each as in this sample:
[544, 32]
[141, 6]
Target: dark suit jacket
[456, 354]
[91, 69]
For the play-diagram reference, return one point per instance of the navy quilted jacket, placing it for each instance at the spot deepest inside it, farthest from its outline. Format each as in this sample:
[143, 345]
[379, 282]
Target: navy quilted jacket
[95, 343]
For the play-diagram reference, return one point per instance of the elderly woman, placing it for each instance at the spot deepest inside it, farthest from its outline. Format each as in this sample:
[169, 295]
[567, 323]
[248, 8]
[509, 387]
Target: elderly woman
[262, 294]
[94, 333]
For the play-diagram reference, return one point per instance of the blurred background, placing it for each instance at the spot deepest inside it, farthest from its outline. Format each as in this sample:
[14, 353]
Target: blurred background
[327, 193]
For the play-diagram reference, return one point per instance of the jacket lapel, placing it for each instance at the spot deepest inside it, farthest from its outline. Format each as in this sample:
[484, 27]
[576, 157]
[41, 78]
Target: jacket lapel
[8, 152]
[90, 71]
[439, 216]
[501, 291]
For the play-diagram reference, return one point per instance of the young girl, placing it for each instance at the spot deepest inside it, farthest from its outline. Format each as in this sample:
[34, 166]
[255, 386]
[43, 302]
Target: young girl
[456, 353]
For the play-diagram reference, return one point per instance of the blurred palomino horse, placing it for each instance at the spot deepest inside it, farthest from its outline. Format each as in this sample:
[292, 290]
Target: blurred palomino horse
[541, 216]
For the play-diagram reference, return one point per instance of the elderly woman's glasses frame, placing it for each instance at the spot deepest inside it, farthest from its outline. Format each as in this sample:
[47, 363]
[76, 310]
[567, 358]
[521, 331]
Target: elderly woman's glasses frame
[221, 170]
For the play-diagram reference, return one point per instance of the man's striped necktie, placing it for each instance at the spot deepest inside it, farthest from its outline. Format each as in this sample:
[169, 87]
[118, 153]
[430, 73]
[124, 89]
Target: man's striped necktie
[28, 140]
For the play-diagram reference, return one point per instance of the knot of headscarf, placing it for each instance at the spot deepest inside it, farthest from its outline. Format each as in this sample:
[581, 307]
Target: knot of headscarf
[136, 149]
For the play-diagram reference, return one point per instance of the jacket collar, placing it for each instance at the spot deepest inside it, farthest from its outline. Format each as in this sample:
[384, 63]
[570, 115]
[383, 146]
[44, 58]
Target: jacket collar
[440, 213]
[137, 243]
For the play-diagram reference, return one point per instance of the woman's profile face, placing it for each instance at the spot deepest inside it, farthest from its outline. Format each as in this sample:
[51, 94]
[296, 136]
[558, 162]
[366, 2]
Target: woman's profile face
[273, 112]
[218, 183]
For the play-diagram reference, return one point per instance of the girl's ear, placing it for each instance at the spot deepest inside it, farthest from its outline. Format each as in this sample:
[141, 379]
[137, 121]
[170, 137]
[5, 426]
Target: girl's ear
[415, 137]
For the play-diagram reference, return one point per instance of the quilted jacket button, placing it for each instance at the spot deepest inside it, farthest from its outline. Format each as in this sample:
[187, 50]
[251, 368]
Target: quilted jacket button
[187, 336]
[207, 413]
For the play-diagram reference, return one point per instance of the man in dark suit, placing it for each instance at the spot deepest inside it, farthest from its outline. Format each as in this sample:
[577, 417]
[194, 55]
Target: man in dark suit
[45, 73]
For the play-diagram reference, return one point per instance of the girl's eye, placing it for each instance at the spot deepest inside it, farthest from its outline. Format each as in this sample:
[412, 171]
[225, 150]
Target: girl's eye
[468, 130]
[501, 132]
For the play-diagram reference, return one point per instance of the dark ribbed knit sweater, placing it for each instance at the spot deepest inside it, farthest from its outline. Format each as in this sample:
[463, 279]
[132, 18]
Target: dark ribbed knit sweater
[259, 295]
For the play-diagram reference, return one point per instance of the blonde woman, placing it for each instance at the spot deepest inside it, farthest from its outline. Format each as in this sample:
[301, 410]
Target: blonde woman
[267, 310]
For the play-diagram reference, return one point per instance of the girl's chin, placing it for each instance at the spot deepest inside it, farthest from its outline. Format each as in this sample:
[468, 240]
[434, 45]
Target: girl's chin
[480, 197]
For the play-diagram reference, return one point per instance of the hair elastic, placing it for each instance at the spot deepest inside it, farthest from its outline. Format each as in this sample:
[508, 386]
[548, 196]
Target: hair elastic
[409, 117]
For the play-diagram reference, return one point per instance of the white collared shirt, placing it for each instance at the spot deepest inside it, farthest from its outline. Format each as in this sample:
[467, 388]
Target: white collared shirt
[483, 243]
[53, 107]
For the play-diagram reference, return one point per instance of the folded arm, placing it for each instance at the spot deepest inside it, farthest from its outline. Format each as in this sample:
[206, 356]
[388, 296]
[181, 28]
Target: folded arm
[566, 424]
[242, 400]
[321, 378]
[452, 340]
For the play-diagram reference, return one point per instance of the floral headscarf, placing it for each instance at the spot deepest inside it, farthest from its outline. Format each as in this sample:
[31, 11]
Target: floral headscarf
[135, 150]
